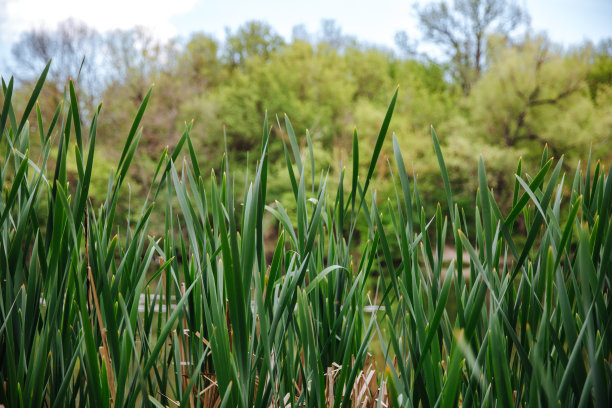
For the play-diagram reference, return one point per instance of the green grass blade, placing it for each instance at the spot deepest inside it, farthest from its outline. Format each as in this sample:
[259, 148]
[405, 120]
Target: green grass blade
[379, 141]
[447, 188]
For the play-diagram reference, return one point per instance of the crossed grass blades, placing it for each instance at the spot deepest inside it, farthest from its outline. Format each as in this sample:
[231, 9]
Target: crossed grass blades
[96, 312]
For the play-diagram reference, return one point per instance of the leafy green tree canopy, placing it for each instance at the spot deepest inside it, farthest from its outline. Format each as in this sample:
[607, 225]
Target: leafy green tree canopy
[461, 31]
[252, 38]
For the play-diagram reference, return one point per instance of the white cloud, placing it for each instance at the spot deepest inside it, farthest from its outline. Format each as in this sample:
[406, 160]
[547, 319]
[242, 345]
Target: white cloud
[110, 14]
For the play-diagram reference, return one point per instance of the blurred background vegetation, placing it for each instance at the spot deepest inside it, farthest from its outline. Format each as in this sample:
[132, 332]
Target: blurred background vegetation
[492, 88]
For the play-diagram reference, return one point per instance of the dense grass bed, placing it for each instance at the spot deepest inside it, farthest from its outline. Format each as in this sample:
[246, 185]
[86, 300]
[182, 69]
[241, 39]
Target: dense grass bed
[243, 303]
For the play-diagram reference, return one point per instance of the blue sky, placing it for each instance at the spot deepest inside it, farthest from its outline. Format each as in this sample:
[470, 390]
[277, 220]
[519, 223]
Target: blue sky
[565, 21]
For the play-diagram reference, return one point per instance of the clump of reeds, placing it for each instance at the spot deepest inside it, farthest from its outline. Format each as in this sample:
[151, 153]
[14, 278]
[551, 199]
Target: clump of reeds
[96, 312]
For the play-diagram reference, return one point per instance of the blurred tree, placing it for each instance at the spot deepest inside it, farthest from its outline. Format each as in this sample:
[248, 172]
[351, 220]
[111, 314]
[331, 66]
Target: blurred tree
[406, 46]
[133, 57]
[67, 44]
[366, 69]
[331, 35]
[200, 71]
[252, 38]
[461, 30]
[300, 33]
[600, 74]
[533, 94]
[306, 82]
[76, 50]
[199, 64]
[137, 60]
[535, 78]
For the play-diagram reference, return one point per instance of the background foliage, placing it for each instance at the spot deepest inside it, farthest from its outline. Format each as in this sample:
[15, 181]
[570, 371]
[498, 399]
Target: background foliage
[501, 91]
